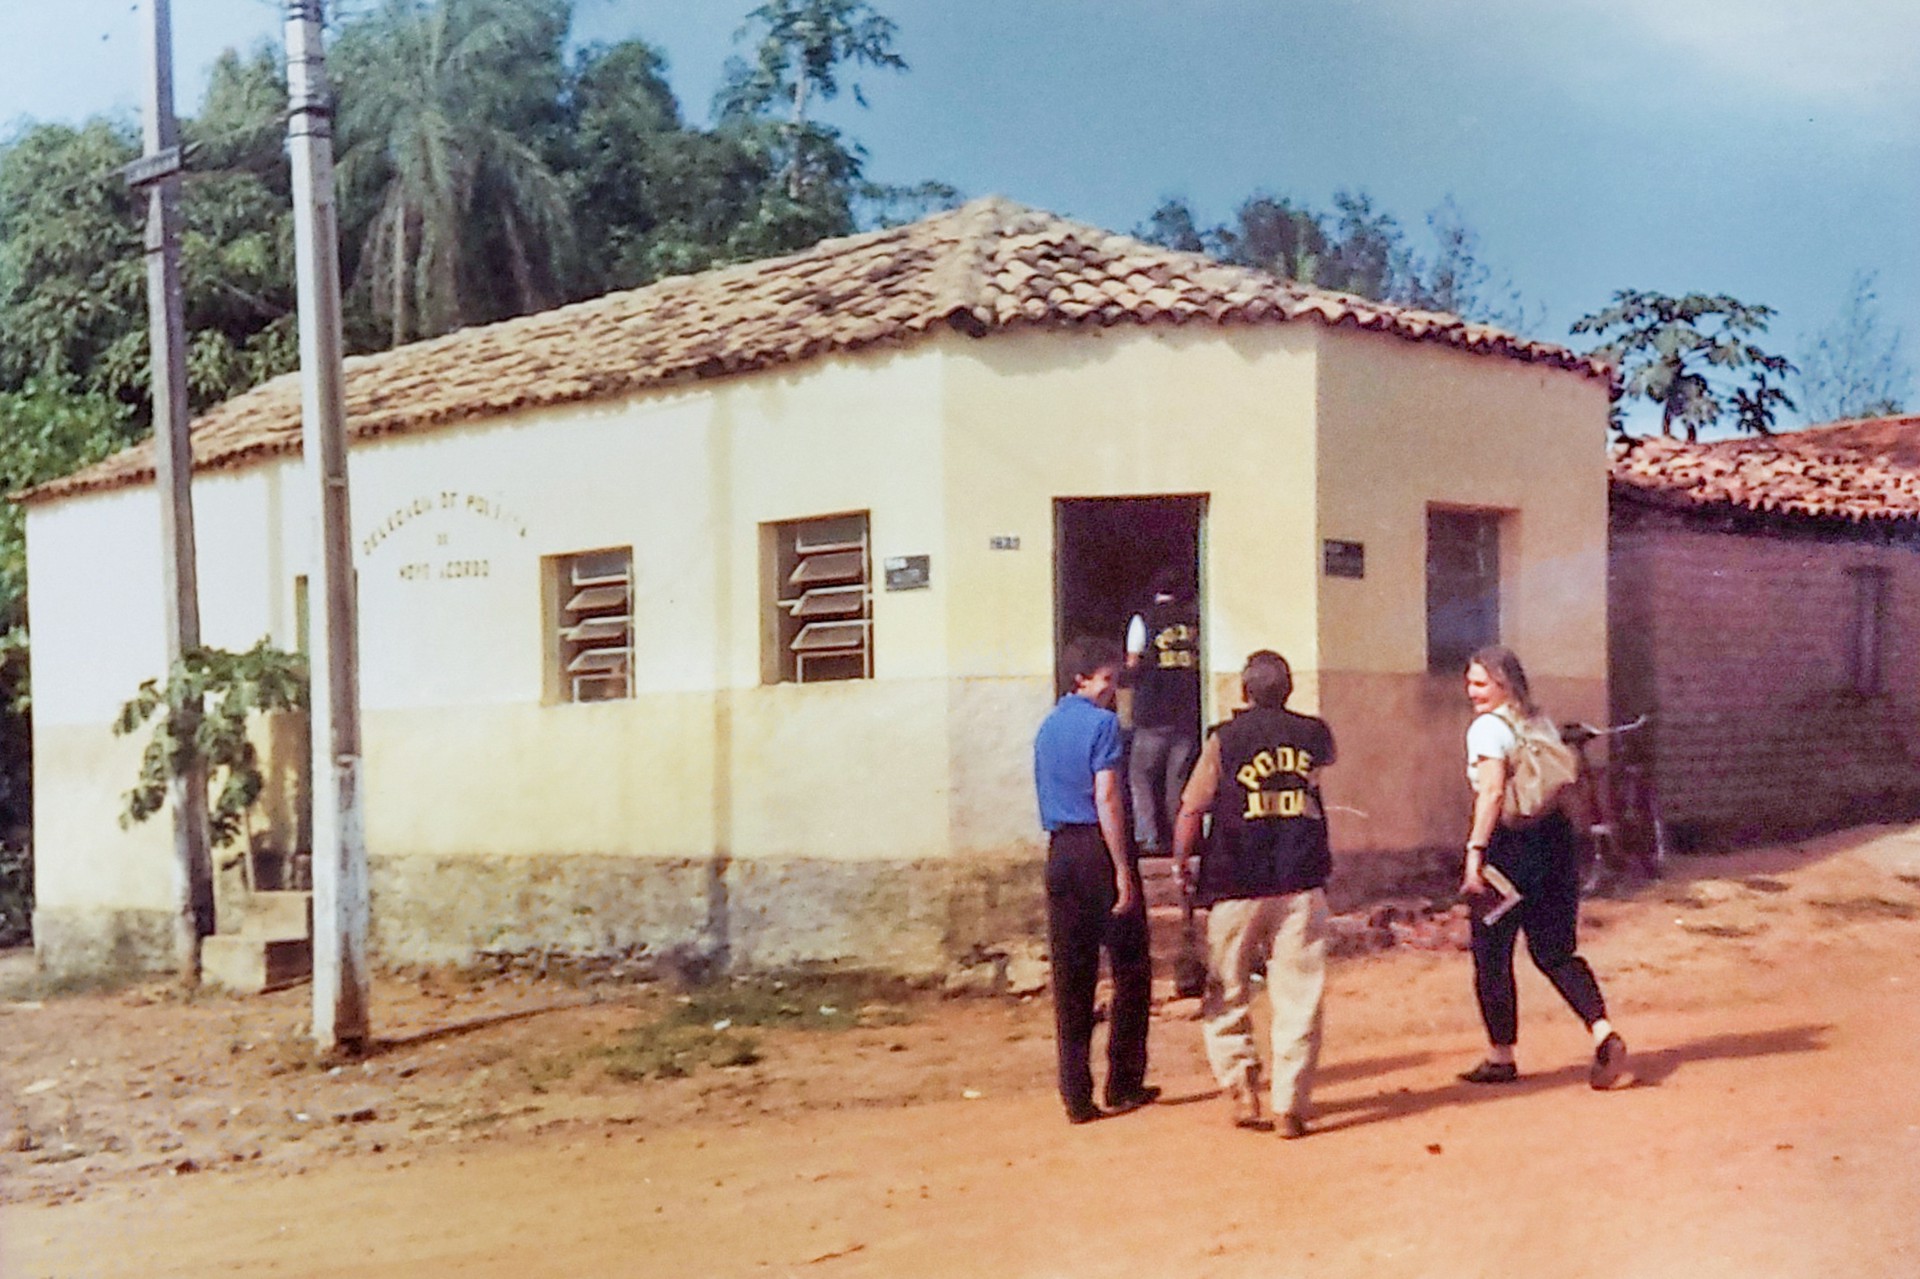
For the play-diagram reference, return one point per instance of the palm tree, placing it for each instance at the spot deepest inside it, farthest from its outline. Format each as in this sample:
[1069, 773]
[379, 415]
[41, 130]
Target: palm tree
[441, 102]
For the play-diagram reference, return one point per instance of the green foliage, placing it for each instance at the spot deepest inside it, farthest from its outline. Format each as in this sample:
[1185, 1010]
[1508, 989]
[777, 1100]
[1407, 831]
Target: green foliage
[801, 50]
[1691, 356]
[72, 277]
[73, 303]
[446, 111]
[673, 1050]
[708, 1025]
[229, 688]
[1355, 247]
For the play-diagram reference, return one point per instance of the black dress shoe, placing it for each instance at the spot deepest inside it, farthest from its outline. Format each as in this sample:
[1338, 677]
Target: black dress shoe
[1491, 1072]
[1144, 1095]
[1084, 1114]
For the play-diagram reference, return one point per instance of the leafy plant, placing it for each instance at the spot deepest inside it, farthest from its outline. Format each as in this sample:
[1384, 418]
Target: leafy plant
[1679, 353]
[232, 686]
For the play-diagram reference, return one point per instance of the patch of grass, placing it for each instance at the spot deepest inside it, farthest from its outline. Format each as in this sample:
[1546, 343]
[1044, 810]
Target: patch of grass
[1870, 906]
[708, 1025]
[670, 1050]
[801, 1001]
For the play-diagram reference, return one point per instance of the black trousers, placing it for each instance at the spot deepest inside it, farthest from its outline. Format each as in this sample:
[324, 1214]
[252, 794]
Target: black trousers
[1542, 861]
[1080, 924]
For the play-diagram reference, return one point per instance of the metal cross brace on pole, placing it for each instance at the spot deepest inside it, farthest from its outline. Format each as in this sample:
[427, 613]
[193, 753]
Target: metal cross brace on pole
[340, 985]
[158, 172]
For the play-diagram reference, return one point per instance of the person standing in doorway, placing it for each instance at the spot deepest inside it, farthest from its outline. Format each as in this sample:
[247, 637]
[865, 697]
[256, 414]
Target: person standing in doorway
[1264, 875]
[1094, 898]
[1539, 856]
[1163, 668]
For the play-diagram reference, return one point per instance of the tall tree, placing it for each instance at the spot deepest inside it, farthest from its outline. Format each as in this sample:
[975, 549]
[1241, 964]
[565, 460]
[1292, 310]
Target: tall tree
[72, 277]
[1854, 367]
[1690, 355]
[1274, 234]
[803, 45]
[444, 107]
[71, 267]
[1458, 278]
[1356, 247]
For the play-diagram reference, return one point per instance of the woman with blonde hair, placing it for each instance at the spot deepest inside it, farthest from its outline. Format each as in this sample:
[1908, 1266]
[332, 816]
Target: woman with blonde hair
[1539, 856]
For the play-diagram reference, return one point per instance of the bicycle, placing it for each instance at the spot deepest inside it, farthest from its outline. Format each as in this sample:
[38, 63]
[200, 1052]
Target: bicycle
[1626, 832]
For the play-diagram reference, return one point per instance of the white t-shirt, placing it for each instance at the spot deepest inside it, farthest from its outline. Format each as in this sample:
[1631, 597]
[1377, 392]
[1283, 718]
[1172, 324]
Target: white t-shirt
[1489, 737]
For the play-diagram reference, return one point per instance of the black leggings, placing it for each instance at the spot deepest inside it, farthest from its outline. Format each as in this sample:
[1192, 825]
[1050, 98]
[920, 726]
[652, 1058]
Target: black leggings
[1543, 864]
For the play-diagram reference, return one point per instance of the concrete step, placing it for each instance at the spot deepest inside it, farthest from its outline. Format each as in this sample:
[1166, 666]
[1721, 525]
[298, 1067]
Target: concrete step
[277, 916]
[249, 965]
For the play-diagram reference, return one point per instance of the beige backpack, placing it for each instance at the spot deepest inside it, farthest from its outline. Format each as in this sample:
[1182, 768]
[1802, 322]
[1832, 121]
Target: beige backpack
[1539, 770]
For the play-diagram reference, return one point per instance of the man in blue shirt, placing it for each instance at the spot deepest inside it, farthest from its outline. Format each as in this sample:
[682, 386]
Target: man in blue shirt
[1094, 897]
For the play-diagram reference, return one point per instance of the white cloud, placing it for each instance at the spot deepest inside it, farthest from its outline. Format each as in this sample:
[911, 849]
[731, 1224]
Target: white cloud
[1861, 52]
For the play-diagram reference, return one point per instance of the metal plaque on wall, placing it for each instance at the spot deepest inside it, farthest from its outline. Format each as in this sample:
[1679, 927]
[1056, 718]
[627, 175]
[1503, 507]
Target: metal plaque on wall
[908, 572]
[1343, 559]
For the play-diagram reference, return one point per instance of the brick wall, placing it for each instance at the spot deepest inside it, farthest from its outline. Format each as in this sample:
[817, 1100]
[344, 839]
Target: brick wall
[1737, 635]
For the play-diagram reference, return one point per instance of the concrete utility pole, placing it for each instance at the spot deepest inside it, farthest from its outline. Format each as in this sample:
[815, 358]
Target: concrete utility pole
[158, 172]
[339, 835]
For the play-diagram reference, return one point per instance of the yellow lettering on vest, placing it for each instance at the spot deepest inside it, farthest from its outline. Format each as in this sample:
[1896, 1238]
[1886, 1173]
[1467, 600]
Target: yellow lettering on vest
[1277, 803]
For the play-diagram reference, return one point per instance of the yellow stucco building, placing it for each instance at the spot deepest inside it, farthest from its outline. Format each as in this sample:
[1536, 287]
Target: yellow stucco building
[719, 614]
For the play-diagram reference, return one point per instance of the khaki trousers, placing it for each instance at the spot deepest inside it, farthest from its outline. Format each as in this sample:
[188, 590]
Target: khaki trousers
[1289, 935]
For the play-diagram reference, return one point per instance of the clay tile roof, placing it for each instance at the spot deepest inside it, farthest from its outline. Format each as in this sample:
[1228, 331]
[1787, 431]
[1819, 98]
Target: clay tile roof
[1864, 469]
[989, 266]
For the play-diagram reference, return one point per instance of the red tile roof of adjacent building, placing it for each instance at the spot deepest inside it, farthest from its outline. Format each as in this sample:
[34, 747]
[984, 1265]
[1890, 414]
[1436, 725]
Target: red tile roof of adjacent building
[1860, 469]
[988, 267]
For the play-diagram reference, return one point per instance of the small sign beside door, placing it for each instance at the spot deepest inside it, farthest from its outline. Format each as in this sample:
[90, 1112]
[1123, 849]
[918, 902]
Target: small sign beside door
[908, 572]
[1343, 559]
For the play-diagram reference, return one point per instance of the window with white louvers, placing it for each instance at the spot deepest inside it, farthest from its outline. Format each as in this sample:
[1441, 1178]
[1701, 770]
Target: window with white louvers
[823, 601]
[593, 625]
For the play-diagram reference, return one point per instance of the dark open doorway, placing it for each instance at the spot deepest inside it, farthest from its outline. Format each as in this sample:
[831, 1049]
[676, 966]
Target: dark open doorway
[1106, 551]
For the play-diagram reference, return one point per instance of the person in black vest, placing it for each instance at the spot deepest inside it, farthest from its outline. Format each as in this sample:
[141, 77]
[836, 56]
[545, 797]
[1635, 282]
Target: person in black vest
[1263, 875]
[1163, 667]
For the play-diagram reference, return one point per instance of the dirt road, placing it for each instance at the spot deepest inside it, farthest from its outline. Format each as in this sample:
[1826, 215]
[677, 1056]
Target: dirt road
[1774, 1130]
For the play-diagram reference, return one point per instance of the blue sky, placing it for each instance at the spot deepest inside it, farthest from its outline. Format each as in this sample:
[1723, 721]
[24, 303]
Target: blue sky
[1764, 148]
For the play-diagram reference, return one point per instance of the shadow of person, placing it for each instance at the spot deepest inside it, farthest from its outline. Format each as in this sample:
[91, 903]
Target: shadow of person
[1650, 1069]
[1645, 1070]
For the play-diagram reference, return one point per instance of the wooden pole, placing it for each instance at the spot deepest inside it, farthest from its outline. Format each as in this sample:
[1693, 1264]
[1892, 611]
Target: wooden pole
[340, 986]
[158, 171]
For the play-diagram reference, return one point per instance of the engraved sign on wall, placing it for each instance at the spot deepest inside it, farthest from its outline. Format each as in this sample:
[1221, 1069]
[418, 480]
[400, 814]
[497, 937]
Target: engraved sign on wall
[452, 516]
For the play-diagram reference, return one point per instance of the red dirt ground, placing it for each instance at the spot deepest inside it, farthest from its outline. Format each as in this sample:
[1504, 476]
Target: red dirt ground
[1773, 1128]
